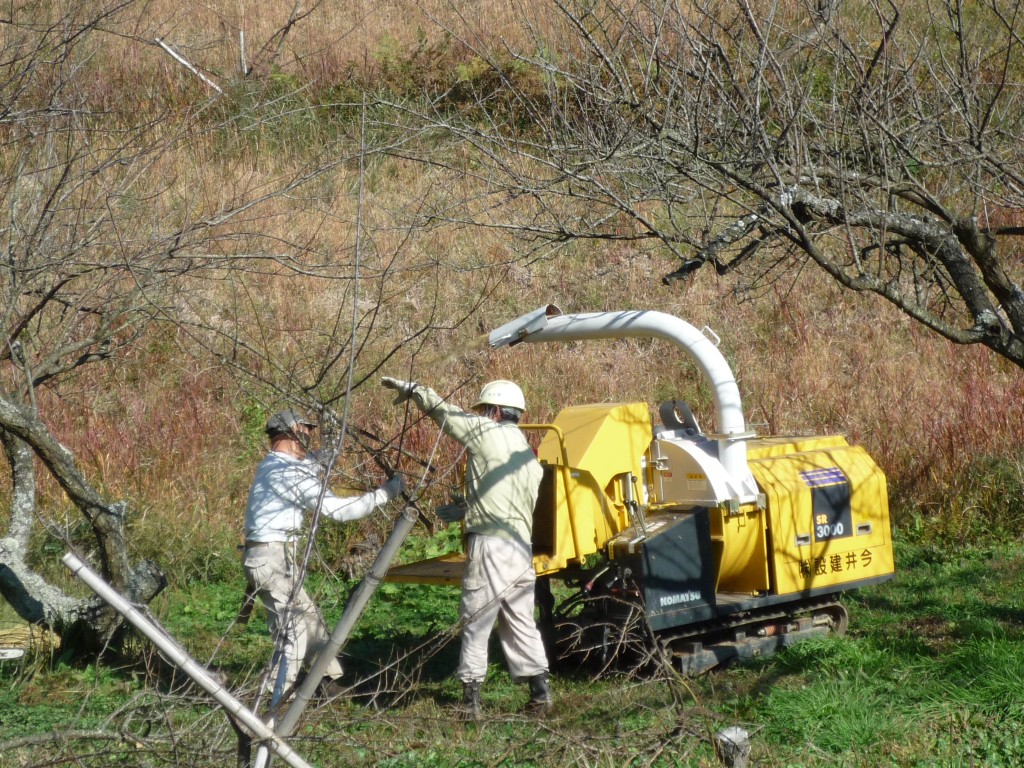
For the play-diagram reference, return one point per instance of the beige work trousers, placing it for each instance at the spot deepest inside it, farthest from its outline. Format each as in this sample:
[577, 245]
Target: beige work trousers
[499, 585]
[295, 622]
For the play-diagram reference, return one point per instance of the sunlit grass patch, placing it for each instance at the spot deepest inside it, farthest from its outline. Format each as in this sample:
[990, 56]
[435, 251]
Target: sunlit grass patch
[982, 675]
[836, 695]
[838, 717]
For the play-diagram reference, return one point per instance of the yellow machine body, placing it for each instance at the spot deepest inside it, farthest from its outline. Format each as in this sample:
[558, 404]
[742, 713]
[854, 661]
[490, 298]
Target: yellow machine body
[827, 513]
[593, 457]
[822, 524]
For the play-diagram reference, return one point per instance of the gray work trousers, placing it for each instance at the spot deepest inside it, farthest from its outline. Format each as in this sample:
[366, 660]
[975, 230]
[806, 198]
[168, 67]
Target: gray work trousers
[295, 623]
[499, 585]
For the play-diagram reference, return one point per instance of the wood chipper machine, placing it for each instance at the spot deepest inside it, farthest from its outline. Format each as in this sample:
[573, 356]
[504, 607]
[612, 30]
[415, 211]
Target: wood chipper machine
[704, 547]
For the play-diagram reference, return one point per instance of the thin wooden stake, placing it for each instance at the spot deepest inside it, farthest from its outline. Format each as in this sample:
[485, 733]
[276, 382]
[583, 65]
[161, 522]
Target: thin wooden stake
[188, 65]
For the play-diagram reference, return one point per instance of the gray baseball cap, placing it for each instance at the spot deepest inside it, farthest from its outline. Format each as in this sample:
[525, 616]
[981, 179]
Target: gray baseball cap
[285, 421]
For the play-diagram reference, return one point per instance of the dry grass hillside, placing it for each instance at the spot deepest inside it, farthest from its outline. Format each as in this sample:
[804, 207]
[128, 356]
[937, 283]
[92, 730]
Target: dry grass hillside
[174, 425]
[179, 435]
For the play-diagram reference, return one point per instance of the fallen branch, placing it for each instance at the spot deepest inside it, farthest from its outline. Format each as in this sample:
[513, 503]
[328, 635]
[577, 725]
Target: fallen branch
[188, 65]
[39, 739]
[177, 655]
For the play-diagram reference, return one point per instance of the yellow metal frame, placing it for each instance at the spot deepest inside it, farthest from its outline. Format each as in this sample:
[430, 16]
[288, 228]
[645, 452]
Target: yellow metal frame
[543, 563]
[594, 450]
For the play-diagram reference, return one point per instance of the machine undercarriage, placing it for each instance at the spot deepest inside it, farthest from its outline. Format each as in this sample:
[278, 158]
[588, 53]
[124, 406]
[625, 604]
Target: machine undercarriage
[603, 626]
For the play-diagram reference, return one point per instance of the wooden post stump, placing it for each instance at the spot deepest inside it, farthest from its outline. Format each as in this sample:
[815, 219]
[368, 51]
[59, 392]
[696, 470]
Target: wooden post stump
[733, 747]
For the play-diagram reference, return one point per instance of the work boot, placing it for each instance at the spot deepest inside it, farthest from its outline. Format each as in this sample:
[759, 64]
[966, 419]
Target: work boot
[470, 709]
[540, 697]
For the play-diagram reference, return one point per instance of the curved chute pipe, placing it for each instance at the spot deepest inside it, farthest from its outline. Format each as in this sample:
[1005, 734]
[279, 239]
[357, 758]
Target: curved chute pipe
[548, 324]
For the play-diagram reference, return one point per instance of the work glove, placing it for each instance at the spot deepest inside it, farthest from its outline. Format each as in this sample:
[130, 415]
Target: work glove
[393, 486]
[453, 512]
[404, 389]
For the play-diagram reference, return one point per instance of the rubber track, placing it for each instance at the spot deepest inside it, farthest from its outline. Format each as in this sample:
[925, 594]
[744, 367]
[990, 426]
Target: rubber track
[749, 618]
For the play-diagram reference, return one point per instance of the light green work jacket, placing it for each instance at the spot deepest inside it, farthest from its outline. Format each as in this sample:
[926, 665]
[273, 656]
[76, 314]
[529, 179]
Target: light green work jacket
[502, 473]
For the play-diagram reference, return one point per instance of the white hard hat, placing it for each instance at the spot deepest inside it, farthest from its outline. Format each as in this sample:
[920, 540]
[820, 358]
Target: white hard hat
[503, 393]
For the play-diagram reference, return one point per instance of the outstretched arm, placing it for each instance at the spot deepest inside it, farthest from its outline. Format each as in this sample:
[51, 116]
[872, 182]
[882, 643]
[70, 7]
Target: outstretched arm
[461, 425]
[343, 509]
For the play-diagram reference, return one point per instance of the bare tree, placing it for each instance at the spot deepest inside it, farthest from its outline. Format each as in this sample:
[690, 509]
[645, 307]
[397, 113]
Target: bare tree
[75, 291]
[104, 245]
[878, 141]
[100, 243]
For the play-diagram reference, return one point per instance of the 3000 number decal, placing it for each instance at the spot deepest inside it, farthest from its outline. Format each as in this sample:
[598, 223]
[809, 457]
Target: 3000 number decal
[830, 503]
[825, 531]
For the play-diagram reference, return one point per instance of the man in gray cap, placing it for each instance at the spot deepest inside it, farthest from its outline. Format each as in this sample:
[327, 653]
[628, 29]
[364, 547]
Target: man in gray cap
[287, 486]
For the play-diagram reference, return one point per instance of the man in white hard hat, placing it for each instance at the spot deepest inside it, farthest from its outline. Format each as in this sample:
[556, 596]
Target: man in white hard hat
[287, 486]
[502, 482]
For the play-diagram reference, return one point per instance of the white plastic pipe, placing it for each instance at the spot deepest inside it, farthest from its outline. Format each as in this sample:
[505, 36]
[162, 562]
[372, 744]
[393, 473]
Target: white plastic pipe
[546, 324]
[246, 718]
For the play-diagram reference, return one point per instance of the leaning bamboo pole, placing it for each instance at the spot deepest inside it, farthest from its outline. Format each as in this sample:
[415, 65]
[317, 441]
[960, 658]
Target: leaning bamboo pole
[177, 655]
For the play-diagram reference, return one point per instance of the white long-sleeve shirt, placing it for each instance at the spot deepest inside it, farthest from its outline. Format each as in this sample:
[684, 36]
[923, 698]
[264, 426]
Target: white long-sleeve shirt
[285, 489]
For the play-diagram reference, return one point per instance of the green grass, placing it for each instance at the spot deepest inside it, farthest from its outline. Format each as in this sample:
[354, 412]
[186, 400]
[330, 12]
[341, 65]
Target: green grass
[931, 673]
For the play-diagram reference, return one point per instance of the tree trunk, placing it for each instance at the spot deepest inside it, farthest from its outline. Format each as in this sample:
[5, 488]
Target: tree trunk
[85, 625]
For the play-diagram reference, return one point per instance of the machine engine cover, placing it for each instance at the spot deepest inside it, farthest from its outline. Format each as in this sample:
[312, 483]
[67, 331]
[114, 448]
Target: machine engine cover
[689, 475]
[670, 561]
